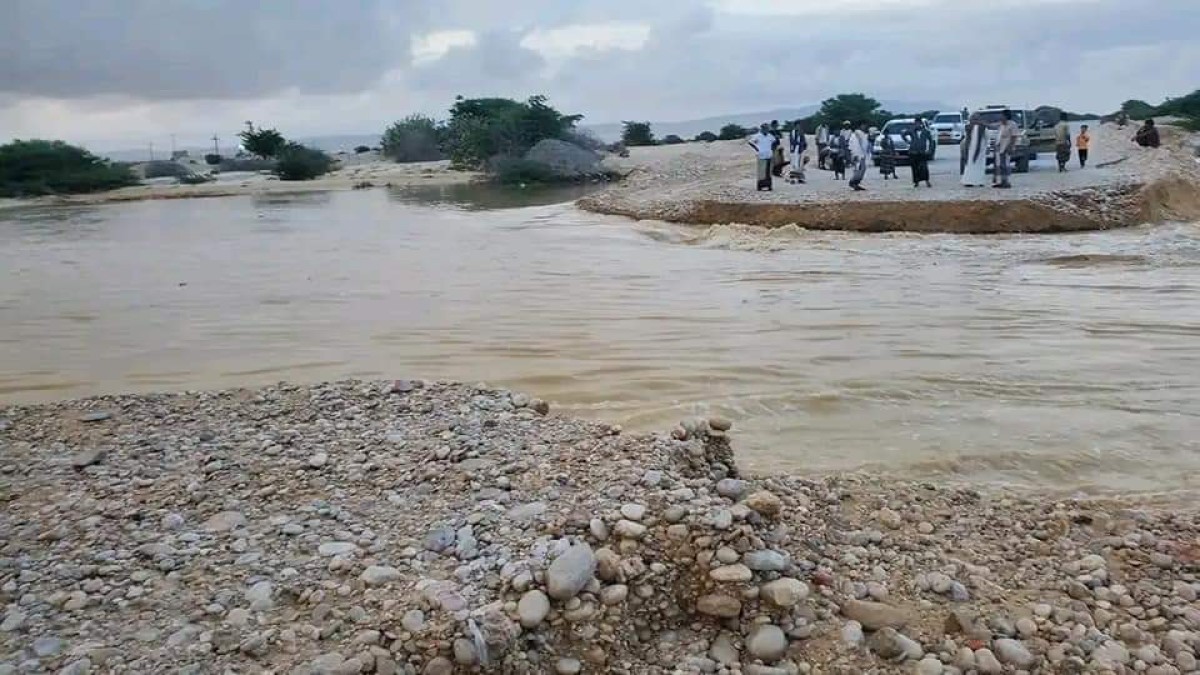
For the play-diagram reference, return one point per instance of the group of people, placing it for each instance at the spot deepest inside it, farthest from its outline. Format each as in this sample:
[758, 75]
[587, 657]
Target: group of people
[1062, 143]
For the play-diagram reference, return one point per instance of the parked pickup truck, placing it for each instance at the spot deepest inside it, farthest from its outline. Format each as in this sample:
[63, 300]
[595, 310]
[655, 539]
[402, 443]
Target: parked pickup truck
[949, 127]
[991, 116]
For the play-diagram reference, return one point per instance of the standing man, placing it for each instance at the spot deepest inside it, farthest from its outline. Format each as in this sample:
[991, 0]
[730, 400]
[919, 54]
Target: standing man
[798, 145]
[822, 137]
[920, 149]
[860, 150]
[778, 161]
[764, 143]
[1006, 143]
[1082, 143]
[1062, 142]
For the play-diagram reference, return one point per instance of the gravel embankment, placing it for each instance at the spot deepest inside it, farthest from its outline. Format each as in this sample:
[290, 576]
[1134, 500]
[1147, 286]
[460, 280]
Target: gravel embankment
[713, 184]
[408, 528]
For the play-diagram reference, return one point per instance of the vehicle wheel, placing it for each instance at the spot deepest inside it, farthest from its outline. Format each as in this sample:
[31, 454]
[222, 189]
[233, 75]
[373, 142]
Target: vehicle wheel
[1023, 164]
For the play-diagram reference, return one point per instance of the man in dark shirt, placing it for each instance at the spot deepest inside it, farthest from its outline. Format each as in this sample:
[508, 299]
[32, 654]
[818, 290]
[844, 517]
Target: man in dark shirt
[1147, 136]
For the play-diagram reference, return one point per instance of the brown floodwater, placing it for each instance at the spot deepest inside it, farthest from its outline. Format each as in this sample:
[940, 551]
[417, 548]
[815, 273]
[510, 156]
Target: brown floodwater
[1052, 361]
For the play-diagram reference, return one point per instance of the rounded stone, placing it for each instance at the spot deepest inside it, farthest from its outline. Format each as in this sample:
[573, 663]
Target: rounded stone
[570, 572]
[767, 642]
[784, 592]
[533, 608]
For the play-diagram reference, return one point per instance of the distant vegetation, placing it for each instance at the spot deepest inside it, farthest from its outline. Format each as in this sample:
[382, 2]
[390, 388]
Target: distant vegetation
[299, 162]
[415, 138]
[212, 159]
[361, 149]
[32, 168]
[483, 129]
[733, 132]
[1186, 107]
[705, 137]
[672, 139]
[264, 143]
[637, 134]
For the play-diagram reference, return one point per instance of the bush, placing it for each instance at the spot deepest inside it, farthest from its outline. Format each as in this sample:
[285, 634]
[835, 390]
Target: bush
[517, 171]
[247, 164]
[212, 159]
[265, 143]
[298, 162]
[672, 139]
[706, 137]
[482, 128]
[584, 139]
[733, 132]
[361, 149]
[415, 138]
[637, 134]
[30, 168]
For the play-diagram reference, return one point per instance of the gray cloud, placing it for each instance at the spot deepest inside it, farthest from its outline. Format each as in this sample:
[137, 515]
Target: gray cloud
[352, 58]
[180, 49]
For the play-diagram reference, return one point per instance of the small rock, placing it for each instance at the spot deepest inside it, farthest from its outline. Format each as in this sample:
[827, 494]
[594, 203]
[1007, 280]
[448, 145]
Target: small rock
[413, 621]
[539, 406]
[633, 511]
[765, 561]
[720, 423]
[439, 666]
[731, 573]
[715, 604]
[48, 646]
[986, 663]
[875, 615]
[533, 608]
[318, 460]
[570, 572]
[566, 666]
[439, 539]
[765, 503]
[722, 650]
[614, 595]
[627, 529]
[331, 549]
[731, 488]
[786, 592]
[87, 458]
[13, 621]
[852, 633]
[1026, 627]
[377, 575]
[225, 521]
[891, 644]
[930, 666]
[95, 416]
[259, 596]
[1014, 652]
[80, 667]
[767, 643]
[464, 652]
[523, 513]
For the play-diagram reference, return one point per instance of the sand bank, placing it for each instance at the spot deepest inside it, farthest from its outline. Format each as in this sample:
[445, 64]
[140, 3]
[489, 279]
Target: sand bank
[436, 528]
[711, 184]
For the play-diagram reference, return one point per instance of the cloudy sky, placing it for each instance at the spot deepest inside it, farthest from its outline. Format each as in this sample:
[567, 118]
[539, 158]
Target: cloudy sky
[113, 72]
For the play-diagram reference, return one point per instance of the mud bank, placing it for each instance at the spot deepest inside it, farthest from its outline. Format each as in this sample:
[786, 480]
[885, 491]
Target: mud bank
[705, 185]
[413, 528]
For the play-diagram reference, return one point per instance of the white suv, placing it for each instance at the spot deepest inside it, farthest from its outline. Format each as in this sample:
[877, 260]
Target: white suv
[949, 127]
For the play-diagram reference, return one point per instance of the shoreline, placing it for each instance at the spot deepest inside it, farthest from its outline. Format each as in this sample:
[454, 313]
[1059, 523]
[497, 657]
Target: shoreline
[410, 527]
[707, 185]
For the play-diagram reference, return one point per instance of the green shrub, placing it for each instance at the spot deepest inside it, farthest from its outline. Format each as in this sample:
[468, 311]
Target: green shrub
[165, 169]
[516, 171]
[482, 128]
[415, 138]
[733, 132]
[265, 143]
[360, 149]
[30, 168]
[637, 133]
[706, 137]
[672, 139]
[212, 159]
[298, 162]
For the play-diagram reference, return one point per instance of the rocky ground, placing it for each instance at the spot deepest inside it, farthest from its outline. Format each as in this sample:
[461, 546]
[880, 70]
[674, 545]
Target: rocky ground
[435, 528]
[713, 184]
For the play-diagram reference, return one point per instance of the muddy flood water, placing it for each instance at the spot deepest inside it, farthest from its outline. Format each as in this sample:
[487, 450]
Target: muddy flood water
[1048, 361]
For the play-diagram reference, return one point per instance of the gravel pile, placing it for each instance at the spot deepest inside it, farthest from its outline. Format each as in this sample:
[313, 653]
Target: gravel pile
[436, 528]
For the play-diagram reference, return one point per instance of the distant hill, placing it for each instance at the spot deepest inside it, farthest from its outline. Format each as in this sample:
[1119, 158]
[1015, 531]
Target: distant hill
[689, 128]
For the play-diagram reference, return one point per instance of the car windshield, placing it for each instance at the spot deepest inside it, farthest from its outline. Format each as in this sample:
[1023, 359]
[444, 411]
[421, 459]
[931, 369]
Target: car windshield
[948, 119]
[898, 128]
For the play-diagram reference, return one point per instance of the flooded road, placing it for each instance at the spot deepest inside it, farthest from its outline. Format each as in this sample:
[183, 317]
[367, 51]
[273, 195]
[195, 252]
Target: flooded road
[1062, 361]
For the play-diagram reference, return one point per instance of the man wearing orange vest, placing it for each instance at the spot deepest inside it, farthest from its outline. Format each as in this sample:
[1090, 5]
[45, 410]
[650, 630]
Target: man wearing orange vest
[1082, 142]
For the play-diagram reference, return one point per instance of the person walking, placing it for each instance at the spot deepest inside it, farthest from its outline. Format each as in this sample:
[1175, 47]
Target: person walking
[1083, 142]
[764, 143]
[1006, 143]
[1062, 142]
[973, 158]
[860, 151]
[920, 149]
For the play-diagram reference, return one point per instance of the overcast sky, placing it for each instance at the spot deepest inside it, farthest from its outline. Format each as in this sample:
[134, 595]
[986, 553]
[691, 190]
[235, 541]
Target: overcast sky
[115, 72]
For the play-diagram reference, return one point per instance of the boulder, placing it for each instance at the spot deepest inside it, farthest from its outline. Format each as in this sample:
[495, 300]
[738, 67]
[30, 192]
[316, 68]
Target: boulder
[566, 160]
